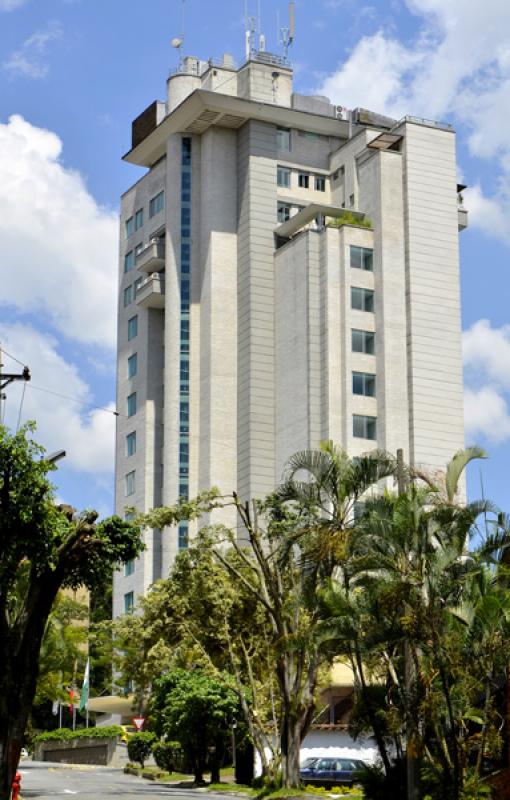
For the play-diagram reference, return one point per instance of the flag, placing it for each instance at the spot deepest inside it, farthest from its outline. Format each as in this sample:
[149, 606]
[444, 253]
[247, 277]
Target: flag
[71, 700]
[55, 707]
[84, 699]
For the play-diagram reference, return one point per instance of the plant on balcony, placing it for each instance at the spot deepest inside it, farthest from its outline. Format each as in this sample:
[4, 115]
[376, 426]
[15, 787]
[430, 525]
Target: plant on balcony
[348, 218]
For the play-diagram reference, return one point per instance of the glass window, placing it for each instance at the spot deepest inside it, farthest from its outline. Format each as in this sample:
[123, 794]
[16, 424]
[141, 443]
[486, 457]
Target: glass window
[320, 183]
[183, 535]
[132, 328]
[157, 204]
[130, 483]
[283, 212]
[363, 383]
[362, 299]
[183, 490]
[186, 152]
[129, 602]
[128, 295]
[131, 444]
[130, 226]
[132, 365]
[303, 180]
[363, 342]
[138, 219]
[137, 284]
[362, 258]
[129, 261]
[364, 427]
[131, 405]
[129, 568]
[283, 139]
[283, 177]
[138, 249]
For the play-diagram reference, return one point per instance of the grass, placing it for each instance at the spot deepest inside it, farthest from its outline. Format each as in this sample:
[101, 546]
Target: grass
[234, 787]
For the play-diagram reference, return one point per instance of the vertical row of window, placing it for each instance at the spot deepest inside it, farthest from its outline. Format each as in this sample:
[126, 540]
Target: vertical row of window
[363, 383]
[184, 332]
[133, 224]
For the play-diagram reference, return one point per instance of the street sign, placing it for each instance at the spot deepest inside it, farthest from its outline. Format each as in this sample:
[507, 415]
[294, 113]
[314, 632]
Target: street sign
[138, 722]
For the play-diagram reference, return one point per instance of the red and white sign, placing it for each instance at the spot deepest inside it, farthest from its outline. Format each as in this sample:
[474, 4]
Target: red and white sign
[138, 722]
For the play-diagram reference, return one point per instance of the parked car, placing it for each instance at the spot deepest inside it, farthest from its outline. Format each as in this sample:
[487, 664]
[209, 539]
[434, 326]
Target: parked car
[329, 771]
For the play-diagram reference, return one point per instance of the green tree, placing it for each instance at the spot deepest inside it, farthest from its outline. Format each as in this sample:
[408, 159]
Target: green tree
[197, 711]
[426, 617]
[289, 547]
[200, 616]
[43, 547]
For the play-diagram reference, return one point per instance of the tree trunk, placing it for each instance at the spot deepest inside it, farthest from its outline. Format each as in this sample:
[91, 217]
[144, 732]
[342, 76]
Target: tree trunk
[19, 668]
[291, 745]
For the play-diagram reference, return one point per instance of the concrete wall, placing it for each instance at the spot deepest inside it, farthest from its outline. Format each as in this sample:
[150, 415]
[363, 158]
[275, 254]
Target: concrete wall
[433, 295]
[216, 435]
[256, 221]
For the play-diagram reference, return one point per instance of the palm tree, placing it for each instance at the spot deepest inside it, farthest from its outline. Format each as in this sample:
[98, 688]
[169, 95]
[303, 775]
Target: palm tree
[408, 561]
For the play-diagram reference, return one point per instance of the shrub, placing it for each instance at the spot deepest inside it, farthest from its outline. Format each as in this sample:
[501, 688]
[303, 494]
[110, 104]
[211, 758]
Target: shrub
[65, 734]
[140, 747]
[165, 754]
[348, 218]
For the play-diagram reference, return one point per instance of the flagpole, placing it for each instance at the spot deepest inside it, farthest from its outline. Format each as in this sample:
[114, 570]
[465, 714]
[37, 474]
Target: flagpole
[59, 714]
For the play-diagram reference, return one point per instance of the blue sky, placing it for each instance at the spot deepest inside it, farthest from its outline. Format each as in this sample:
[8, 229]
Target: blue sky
[73, 75]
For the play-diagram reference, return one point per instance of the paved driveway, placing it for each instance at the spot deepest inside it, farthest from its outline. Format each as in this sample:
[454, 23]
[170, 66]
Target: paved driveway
[45, 781]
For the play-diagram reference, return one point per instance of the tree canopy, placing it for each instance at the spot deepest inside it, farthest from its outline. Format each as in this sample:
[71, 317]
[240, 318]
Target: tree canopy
[43, 547]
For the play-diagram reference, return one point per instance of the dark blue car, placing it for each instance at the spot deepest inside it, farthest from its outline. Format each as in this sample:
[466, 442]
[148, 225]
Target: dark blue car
[331, 771]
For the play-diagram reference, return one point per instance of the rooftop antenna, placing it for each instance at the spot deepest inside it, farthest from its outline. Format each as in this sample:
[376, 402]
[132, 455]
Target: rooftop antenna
[287, 34]
[252, 32]
[178, 41]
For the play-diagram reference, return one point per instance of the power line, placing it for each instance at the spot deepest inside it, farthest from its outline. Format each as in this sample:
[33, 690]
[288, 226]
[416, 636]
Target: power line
[79, 402]
[21, 406]
[5, 353]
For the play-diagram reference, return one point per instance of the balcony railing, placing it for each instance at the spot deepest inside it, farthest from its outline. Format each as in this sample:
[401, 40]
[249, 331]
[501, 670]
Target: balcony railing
[152, 257]
[151, 292]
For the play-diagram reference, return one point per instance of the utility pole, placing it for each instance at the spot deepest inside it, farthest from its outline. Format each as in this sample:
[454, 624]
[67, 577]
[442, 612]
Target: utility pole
[5, 379]
[413, 789]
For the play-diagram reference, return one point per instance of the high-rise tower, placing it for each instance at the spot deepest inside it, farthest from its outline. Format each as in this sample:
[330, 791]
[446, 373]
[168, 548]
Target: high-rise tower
[255, 318]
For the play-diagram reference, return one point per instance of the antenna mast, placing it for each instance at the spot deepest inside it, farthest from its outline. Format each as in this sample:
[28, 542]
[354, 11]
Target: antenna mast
[178, 41]
[287, 34]
[253, 36]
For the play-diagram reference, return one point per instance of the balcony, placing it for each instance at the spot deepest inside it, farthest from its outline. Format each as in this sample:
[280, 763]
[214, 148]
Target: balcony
[151, 292]
[463, 219]
[152, 257]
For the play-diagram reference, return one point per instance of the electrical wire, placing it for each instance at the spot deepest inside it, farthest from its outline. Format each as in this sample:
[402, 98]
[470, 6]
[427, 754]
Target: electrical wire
[76, 400]
[21, 406]
[5, 353]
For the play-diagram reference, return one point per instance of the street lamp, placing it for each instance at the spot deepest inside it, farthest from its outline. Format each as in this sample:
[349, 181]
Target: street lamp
[56, 456]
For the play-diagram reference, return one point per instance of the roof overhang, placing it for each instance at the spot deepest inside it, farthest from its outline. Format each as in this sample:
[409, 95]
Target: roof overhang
[287, 229]
[386, 141]
[204, 109]
[112, 704]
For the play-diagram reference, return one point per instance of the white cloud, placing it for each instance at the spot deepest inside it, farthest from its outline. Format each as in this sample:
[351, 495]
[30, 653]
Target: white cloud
[29, 60]
[487, 361]
[10, 5]
[85, 433]
[486, 414]
[58, 246]
[487, 350]
[457, 67]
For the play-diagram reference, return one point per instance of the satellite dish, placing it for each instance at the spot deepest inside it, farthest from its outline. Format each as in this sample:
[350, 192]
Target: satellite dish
[177, 42]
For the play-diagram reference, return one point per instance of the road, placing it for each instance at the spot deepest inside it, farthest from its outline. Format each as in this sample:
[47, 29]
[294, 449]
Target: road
[45, 781]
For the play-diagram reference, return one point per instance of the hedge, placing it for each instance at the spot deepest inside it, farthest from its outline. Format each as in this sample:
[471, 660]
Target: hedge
[66, 734]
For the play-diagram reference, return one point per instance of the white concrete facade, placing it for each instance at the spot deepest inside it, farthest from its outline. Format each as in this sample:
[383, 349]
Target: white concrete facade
[244, 337]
